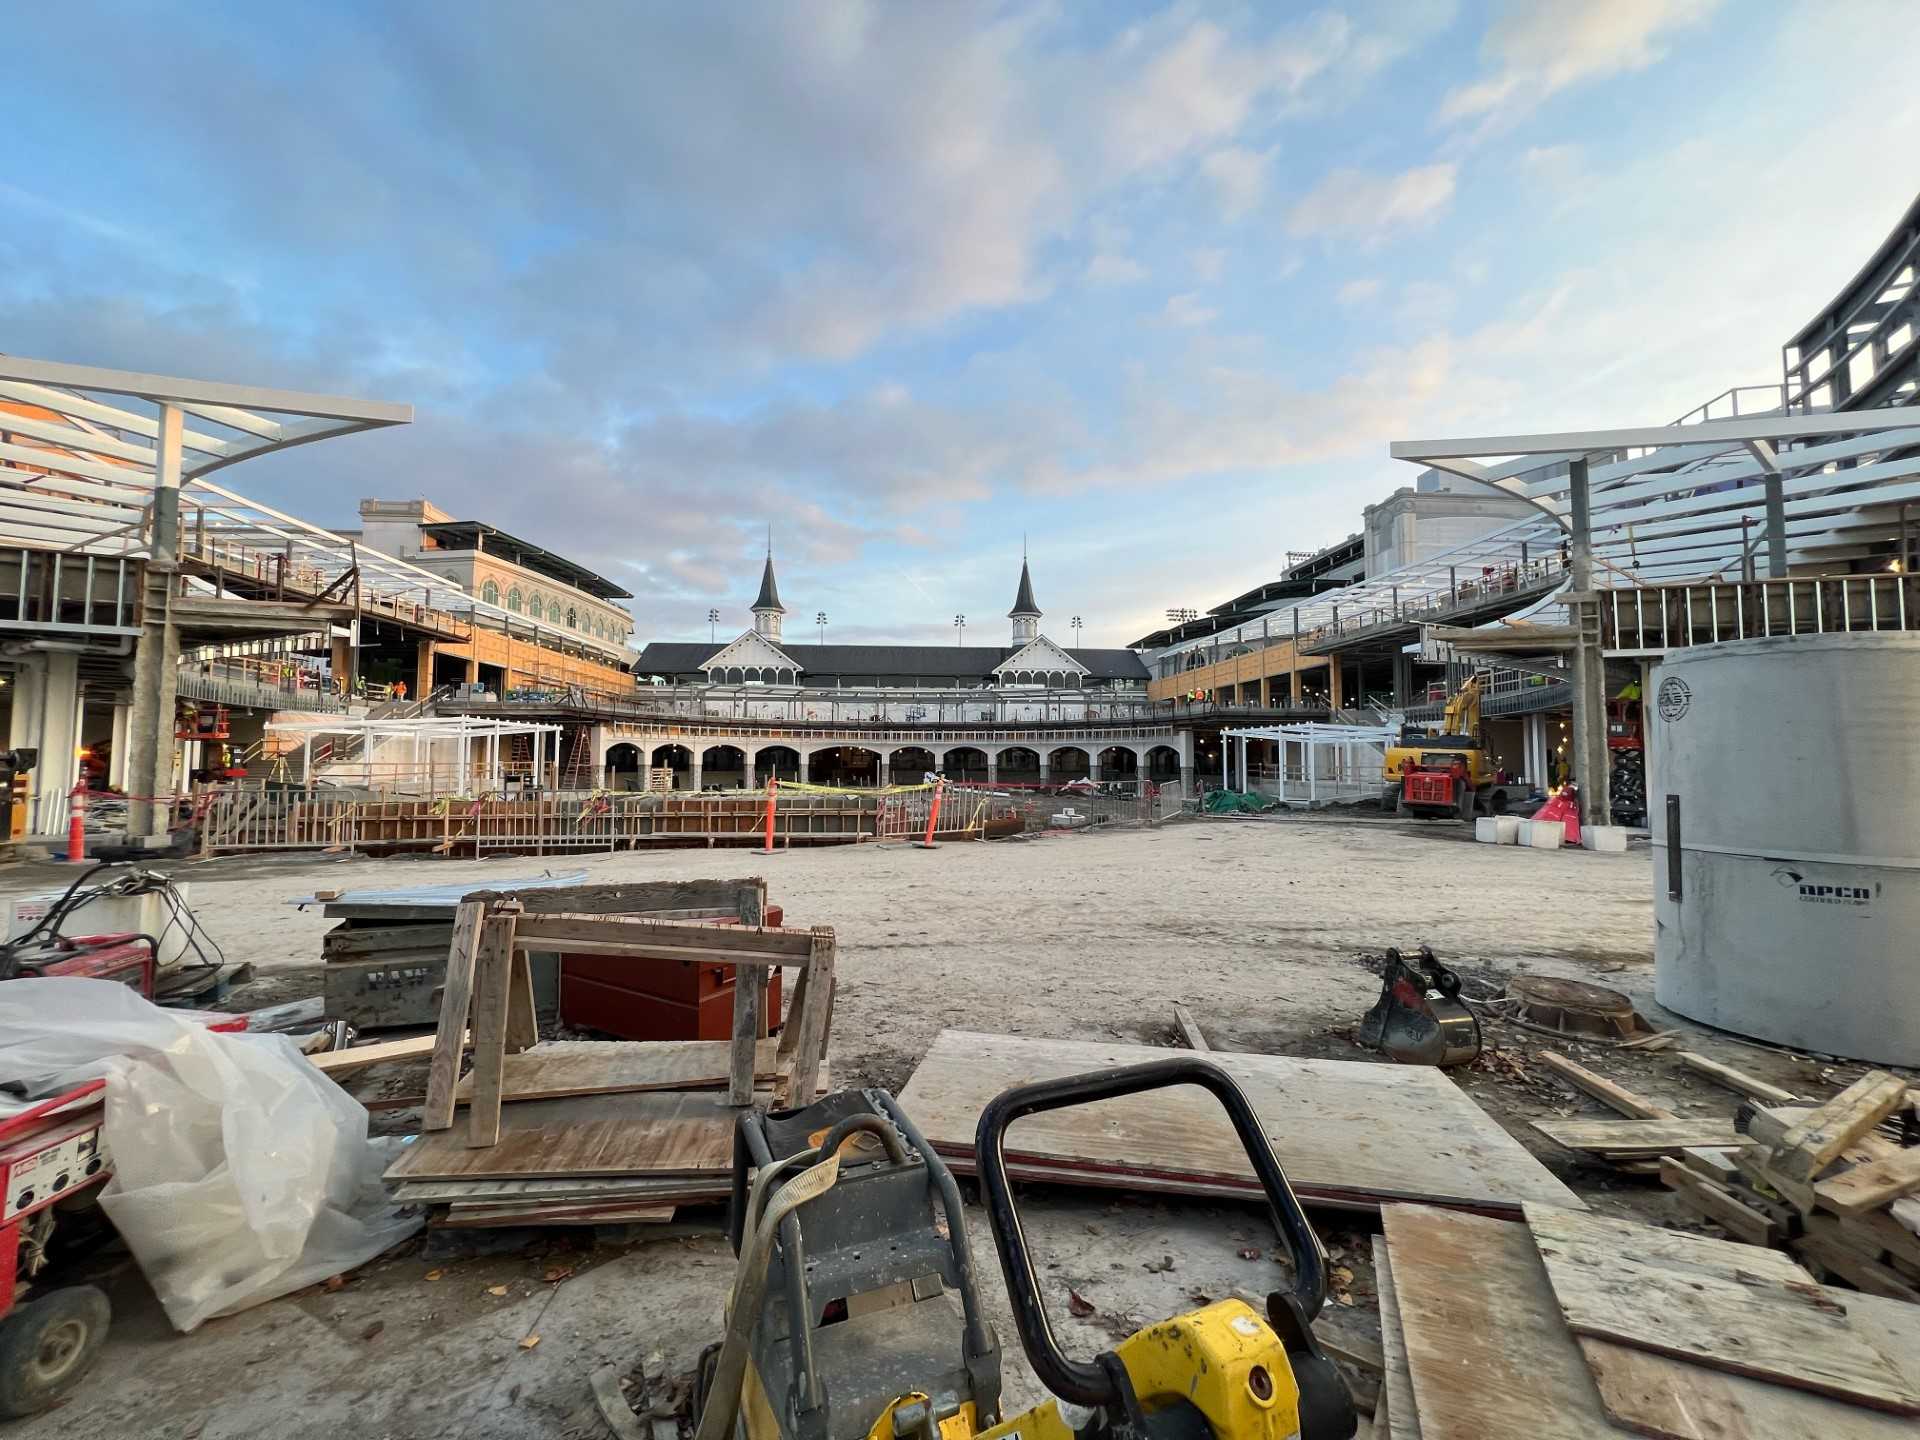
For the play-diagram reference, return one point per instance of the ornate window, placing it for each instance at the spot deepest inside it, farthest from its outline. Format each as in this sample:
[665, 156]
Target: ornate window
[516, 602]
[490, 593]
[573, 618]
[537, 607]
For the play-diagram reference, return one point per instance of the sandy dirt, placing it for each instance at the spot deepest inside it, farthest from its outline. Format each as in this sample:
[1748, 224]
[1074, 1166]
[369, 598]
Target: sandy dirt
[1258, 925]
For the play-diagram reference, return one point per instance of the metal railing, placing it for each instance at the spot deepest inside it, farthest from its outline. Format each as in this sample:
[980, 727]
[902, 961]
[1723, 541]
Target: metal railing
[1651, 619]
[219, 683]
[54, 591]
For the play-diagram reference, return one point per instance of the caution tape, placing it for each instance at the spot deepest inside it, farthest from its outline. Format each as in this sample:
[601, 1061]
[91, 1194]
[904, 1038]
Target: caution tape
[804, 788]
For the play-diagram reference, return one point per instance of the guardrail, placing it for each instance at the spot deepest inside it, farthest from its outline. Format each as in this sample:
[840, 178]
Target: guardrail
[1652, 619]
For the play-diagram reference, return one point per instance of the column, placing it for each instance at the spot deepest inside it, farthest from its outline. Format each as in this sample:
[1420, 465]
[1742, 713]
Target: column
[1402, 677]
[993, 767]
[883, 772]
[1334, 698]
[423, 670]
[59, 725]
[749, 757]
[1045, 763]
[695, 755]
[156, 659]
[1266, 691]
[117, 747]
[1590, 760]
[1293, 684]
[1185, 738]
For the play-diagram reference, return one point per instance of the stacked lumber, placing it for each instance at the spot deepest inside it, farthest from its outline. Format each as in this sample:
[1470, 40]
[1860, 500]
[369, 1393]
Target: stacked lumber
[589, 1133]
[1571, 1326]
[1348, 1133]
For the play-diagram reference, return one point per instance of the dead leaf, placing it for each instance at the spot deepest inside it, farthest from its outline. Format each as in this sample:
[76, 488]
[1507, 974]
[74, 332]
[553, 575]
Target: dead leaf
[557, 1274]
[1078, 1305]
[496, 1289]
[334, 1282]
[1249, 1254]
[529, 1342]
[372, 1330]
[435, 1274]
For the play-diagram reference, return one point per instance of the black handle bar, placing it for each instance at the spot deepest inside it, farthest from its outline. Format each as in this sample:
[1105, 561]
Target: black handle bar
[1078, 1381]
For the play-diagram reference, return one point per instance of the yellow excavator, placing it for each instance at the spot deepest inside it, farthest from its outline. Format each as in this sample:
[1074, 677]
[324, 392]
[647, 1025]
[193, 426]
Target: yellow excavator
[1447, 773]
[856, 1314]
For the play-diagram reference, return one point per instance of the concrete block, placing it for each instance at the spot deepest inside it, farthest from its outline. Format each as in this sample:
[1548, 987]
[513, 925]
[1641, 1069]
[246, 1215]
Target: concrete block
[1546, 834]
[1486, 830]
[1507, 829]
[1607, 839]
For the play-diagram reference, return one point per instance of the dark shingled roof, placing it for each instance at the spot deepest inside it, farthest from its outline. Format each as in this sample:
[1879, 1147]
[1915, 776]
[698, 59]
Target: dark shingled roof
[1023, 603]
[769, 592]
[966, 663]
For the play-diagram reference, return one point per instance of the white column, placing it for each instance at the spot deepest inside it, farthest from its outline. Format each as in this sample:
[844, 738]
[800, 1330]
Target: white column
[1226, 748]
[59, 742]
[117, 747]
[993, 766]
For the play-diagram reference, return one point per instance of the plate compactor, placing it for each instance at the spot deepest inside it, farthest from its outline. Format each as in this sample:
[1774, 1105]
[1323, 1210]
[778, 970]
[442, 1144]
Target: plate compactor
[855, 1312]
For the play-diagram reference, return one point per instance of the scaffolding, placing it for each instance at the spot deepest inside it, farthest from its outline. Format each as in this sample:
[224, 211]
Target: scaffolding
[1314, 765]
[424, 755]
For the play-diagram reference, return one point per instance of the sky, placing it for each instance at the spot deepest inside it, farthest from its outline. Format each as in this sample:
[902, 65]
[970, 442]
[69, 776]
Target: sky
[1147, 288]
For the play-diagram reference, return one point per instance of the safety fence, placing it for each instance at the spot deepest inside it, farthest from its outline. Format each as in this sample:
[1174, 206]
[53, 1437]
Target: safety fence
[247, 818]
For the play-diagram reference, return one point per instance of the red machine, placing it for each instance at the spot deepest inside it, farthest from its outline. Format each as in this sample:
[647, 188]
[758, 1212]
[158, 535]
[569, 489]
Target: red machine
[671, 1000]
[52, 1164]
[126, 959]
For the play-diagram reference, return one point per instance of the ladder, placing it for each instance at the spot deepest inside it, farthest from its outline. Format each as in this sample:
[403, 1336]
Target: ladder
[578, 774]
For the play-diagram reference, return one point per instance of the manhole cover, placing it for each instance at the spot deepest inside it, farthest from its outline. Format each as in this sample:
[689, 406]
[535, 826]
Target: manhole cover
[1573, 1006]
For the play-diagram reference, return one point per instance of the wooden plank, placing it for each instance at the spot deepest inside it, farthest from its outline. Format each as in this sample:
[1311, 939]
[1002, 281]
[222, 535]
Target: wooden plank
[455, 1001]
[1489, 1355]
[1827, 1245]
[1614, 1097]
[1720, 1205]
[1396, 1382]
[1737, 1080]
[1642, 1137]
[1713, 1302]
[809, 1047]
[461, 1217]
[358, 1057]
[1347, 1131]
[749, 999]
[669, 939]
[1669, 1399]
[490, 1001]
[657, 1189]
[556, 1069]
[1815, 1142]
[1868, 1187]
[664, 1132]
[1189, 1028]
[523, 1022]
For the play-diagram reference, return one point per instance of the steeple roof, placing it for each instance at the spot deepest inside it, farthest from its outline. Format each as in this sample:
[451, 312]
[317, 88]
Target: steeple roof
[769, 592]
[1024, 603]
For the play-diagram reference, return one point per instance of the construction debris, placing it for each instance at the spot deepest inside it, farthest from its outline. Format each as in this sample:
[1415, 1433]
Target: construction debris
[1570, 1325]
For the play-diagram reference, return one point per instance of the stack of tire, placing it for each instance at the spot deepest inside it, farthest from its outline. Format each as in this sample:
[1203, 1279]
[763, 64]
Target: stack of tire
[1627, 788]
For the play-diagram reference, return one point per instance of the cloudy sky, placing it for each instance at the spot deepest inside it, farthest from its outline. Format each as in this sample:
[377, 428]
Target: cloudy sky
[1153, 286]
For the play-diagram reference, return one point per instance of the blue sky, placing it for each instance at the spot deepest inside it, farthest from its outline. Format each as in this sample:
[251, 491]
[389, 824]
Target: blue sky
[1151, 285]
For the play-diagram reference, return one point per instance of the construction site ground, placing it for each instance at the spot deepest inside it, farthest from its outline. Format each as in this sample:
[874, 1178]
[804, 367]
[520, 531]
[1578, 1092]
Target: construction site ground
[1258, 925]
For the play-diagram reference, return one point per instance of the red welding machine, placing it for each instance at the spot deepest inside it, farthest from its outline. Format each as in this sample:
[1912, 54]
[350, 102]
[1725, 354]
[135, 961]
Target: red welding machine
[127, 959]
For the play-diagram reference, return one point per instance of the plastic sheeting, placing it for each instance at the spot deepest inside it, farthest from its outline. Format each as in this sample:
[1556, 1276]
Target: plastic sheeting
[240, 1171]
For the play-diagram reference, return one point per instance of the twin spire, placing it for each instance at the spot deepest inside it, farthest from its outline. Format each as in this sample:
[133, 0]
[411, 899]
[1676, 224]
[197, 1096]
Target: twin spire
[768, 611]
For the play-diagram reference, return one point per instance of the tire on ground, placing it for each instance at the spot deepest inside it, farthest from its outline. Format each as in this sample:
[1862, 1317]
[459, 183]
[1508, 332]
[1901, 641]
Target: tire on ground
[47, 1345]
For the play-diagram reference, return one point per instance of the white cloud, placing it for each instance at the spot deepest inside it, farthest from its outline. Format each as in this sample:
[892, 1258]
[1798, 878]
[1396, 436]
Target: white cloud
[1363, 203]
[1536, 48]
[1356, 292]
[1188, 310]
[1239, 179]
[1208, 264]
[1106, 269]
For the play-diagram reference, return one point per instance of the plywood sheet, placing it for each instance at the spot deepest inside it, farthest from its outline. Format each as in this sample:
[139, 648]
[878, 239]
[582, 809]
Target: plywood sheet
[1670, 1399]
[1348, 1132]
[667, 1132]
[1714, 1303]
[1396, 1381]
[555, 1069]
[1642, 1137]
[1489, 1355]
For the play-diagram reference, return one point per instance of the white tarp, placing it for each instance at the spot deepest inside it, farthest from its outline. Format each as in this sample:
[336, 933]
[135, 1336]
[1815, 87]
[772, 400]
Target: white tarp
[240, 1171]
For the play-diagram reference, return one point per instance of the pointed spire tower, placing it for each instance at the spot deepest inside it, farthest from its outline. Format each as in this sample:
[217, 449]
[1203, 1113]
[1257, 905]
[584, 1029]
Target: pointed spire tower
[767, 609]
[1025, 613]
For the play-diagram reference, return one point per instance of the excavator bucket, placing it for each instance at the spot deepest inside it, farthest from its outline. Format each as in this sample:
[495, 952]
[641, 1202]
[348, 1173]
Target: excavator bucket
[1420, 1018]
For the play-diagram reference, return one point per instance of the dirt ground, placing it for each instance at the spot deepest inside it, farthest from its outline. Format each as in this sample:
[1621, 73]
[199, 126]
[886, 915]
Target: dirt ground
[1258, 925]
